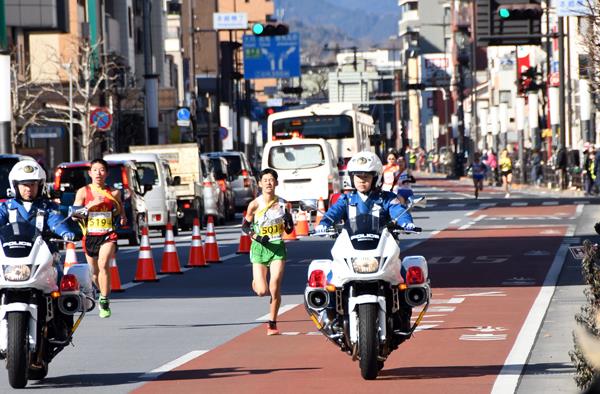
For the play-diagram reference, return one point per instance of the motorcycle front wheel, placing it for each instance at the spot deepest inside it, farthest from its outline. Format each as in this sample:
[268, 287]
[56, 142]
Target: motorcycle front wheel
[17, 352]
[368, 340]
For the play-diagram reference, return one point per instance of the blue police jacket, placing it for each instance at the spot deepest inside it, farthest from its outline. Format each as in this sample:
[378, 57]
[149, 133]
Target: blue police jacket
[52, 217]
[390, 205]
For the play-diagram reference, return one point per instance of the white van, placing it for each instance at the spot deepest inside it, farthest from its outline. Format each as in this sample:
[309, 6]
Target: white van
[160, 201]
[307, 168]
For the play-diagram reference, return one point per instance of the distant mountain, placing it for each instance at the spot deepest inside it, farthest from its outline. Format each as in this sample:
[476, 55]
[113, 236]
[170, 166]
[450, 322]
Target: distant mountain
[345, 23]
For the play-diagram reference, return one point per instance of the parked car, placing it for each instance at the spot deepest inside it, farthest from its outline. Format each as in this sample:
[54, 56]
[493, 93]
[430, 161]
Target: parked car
[160, 201]
[6, 164]
[213, 196]
[218, 168]
[123, 176]
[245, 187]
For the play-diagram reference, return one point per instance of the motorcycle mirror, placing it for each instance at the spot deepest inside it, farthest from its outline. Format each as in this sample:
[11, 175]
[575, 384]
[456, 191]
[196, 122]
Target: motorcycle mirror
[9, 193]
[308, 205]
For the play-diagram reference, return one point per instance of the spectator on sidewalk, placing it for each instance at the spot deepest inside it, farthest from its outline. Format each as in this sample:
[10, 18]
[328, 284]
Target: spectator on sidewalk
[589, 173]
[561, 167]
[536, 168]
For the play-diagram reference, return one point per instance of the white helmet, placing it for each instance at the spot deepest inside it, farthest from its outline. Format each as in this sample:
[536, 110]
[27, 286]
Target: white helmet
[365, 162]
[26, 171]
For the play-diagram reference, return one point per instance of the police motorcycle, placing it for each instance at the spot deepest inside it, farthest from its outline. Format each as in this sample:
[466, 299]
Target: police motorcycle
[362, 299]
[36, 314]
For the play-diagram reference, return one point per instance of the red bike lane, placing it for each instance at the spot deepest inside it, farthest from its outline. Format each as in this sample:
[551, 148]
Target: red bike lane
[485, 281]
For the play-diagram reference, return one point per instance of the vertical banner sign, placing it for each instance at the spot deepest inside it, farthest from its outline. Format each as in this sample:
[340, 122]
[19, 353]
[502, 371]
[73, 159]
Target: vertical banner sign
[520, 113]
[523, 61]
[503, 117]
[553, 97]
[534, 121]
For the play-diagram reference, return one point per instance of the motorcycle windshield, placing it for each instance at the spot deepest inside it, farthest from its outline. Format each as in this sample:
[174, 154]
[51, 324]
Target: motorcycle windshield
[364, 231]
[17, 239]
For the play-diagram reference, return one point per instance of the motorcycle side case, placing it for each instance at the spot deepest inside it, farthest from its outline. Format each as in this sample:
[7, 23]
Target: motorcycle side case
[415, 261]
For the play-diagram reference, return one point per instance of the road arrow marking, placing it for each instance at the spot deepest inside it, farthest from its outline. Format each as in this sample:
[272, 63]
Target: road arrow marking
[537, 253]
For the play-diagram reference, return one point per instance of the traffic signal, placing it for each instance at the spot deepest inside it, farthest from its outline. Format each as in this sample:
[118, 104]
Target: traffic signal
[509, 22]
[519, 11]
[270, 29]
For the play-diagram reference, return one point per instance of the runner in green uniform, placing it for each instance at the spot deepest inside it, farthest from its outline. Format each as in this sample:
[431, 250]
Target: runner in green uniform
[265, 221]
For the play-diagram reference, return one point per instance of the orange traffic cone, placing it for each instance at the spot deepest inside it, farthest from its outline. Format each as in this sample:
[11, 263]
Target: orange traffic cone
[291, 236]
[320, 211]
[115, 278]
[170, 260]
[70, 257]
[301, 224]
[145, 268]
[245, 241]
[211, 249]
[196, 252]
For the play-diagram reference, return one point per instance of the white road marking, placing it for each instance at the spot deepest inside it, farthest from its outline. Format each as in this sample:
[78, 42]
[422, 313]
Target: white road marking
[550, 203]
[487, 205]
[582, 202]
[484, 294]
[456, 205]
[455, 221]
[453, 300]
[282, 310]
[290, 333]
[482, 337]
[507, 380]
[424, 327]
[173, 364]
[466, 226]
[578, 211]
[519, 204]
[436, 232]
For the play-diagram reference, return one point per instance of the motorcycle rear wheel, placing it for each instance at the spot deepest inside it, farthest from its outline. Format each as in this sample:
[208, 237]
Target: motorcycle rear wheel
[368, 341]
[18, 353]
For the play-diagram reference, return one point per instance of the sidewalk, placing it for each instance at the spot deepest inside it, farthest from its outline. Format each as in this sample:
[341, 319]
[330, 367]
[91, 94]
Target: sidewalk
[523, 188]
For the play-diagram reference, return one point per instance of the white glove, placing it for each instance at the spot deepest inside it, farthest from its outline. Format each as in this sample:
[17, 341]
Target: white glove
[408, 226]
[68, 236]
[320, 229]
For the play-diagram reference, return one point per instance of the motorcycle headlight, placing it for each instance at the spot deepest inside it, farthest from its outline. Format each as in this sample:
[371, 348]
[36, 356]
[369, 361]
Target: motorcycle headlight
[365, 265]
[18, 272]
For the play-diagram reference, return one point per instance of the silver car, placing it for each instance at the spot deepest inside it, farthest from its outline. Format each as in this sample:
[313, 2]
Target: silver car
[245, 187]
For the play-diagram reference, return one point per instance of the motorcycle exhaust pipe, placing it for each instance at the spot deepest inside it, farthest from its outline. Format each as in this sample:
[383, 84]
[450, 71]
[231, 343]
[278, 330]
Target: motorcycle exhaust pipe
[70, 304]
[416, 296]
[317, 299]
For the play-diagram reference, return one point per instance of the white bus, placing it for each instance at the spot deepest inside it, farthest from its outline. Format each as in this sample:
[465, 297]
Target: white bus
[341, 124]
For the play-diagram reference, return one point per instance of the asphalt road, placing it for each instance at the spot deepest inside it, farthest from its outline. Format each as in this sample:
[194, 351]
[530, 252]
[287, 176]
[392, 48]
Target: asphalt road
[498, 323]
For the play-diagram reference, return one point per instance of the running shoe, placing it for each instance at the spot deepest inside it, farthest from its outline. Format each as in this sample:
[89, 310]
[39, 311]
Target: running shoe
[104, 307]
[272, 328]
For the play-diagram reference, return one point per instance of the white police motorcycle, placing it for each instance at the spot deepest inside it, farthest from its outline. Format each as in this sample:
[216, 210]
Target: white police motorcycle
[32, 332]
[362, 299]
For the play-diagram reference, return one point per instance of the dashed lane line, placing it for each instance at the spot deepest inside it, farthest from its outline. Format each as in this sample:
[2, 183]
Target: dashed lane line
[282, 310]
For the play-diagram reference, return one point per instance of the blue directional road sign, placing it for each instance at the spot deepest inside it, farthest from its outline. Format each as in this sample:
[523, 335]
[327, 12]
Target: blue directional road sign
[272, 56]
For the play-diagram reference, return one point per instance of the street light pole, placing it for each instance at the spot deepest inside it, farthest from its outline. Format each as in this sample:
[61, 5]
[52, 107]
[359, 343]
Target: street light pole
[71, 150]
[69, 68]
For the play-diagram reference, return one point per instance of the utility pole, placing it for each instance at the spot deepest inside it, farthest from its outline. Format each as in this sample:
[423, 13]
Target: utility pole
[151, 81]
[561, 88]
[5, 106]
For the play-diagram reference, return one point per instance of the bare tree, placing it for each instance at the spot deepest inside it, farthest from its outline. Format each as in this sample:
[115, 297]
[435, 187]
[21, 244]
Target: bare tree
[91, 74]
[592, 44]
[26, 104]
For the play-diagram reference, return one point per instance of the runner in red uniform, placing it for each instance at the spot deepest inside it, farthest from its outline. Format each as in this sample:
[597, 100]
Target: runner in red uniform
[100, 239]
